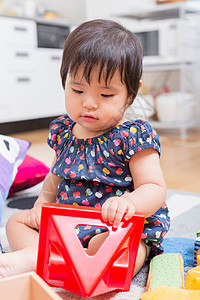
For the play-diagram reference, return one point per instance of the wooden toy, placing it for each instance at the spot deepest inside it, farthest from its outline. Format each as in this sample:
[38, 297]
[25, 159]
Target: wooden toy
[63, 262]
[192, 281]
[28, 286]
[166, 270]
[170, 293]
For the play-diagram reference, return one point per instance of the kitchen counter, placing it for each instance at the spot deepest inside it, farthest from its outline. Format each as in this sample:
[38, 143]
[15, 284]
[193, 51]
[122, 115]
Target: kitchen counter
[53, 21]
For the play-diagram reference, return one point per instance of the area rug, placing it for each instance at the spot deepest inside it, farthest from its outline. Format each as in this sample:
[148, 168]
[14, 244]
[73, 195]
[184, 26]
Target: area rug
[184, 210]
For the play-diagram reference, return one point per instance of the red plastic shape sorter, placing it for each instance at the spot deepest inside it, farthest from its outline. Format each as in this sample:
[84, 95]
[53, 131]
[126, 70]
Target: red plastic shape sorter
[63, 262]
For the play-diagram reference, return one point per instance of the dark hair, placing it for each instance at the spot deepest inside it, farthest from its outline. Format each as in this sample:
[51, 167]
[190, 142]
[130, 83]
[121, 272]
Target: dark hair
[107, 45]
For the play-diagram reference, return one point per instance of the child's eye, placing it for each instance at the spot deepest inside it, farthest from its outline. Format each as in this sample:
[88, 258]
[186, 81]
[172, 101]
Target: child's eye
[77, 91]
[107, 96]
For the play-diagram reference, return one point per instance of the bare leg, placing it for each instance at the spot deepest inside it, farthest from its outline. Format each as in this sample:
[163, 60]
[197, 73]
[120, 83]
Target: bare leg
[23, 241]
[143, 251]
[95, 243]
[98, 240]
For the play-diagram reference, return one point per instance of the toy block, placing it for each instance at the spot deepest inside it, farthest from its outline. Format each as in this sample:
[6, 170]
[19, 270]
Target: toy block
[198, 232]
[63, 262]
[170, 293]
[196, 250]
[192, 281]
[198, 260]
[166, 270]
[28, 286]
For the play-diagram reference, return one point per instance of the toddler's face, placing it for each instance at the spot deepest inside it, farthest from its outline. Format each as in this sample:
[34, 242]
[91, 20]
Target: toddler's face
[96, 107]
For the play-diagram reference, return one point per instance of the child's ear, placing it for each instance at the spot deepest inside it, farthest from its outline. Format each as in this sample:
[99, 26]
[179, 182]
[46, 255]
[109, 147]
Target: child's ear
[130, 99]
[139, 87]
[140, 84]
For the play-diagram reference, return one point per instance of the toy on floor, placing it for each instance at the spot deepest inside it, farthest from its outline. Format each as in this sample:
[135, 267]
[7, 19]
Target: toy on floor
[198, 260]
[170, 293]
[166, 277]
[166, 270]
[197, 247]
[26, 286]
[192, 281]
[198, 232]
[63, 262]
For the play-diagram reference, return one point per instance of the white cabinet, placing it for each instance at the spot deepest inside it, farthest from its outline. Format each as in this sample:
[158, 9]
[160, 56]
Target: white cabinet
[16, 31]
[30, 84]
[4, 103]
[21, 95]
[18, 43]
[49, 93]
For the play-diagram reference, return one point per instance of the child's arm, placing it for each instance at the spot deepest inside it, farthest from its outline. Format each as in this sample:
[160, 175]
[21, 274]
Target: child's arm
[149, 189]
[47, 194]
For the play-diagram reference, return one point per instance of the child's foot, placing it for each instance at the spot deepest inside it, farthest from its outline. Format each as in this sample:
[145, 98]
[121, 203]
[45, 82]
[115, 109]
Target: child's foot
[17, 262]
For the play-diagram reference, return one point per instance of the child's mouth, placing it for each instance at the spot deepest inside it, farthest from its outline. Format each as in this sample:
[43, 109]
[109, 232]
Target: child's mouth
[89, 118]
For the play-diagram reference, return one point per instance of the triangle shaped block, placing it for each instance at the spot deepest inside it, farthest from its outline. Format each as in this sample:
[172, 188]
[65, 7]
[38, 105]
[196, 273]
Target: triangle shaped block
[63, 262]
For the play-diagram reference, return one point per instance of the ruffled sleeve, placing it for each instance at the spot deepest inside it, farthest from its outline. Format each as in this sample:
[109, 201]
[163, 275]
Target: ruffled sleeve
[58, 130]
[140, 135]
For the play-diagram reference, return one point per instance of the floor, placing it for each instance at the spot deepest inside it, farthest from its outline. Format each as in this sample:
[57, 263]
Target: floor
[180, 160]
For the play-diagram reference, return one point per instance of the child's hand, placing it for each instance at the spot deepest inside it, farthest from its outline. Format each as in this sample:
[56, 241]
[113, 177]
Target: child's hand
[114, 209]
[33, 216]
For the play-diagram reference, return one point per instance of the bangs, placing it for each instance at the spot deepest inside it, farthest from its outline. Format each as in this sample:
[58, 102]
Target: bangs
[106, 66]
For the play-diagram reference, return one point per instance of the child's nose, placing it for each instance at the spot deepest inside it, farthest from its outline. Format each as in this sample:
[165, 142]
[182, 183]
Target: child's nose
[90, 103]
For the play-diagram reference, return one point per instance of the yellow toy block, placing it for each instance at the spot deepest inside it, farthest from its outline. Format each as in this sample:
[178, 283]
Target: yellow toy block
[198, 260]
[192, 281]
[170, 293]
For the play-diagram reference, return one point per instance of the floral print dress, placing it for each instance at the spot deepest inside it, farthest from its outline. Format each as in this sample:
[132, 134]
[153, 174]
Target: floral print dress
[95, 169]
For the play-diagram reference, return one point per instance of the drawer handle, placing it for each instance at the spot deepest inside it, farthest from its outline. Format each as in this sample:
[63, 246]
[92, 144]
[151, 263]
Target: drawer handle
[55, 58]
[23, 79]
[17, 28]
[21, 54]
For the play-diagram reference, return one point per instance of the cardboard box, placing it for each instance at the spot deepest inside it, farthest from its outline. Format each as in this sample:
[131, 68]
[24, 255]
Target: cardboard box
[27, 286]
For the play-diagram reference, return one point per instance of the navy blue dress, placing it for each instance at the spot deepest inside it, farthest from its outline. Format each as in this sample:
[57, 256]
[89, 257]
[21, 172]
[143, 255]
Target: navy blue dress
[95, 169]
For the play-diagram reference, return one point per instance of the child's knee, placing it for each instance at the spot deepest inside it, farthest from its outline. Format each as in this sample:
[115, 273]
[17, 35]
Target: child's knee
[96, 242]
[16, 218]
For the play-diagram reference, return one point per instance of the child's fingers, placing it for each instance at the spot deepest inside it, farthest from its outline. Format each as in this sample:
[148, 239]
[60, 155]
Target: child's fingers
[114, 209]
[130, 213]
[27, 220]
[37, 221]
[105, 208]
[121, 209]
[109, 210]
[32, 220]
[104, 211]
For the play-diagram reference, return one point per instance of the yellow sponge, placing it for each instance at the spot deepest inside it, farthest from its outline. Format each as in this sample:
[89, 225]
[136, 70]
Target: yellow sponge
[166, 270]
[170, 293]
[192, 281]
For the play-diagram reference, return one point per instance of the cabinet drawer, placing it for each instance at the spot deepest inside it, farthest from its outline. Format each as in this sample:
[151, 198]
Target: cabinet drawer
[14, 58]
[5, 105]
[18, 32]
[5, 111]
[21, 95]
[49, 82]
